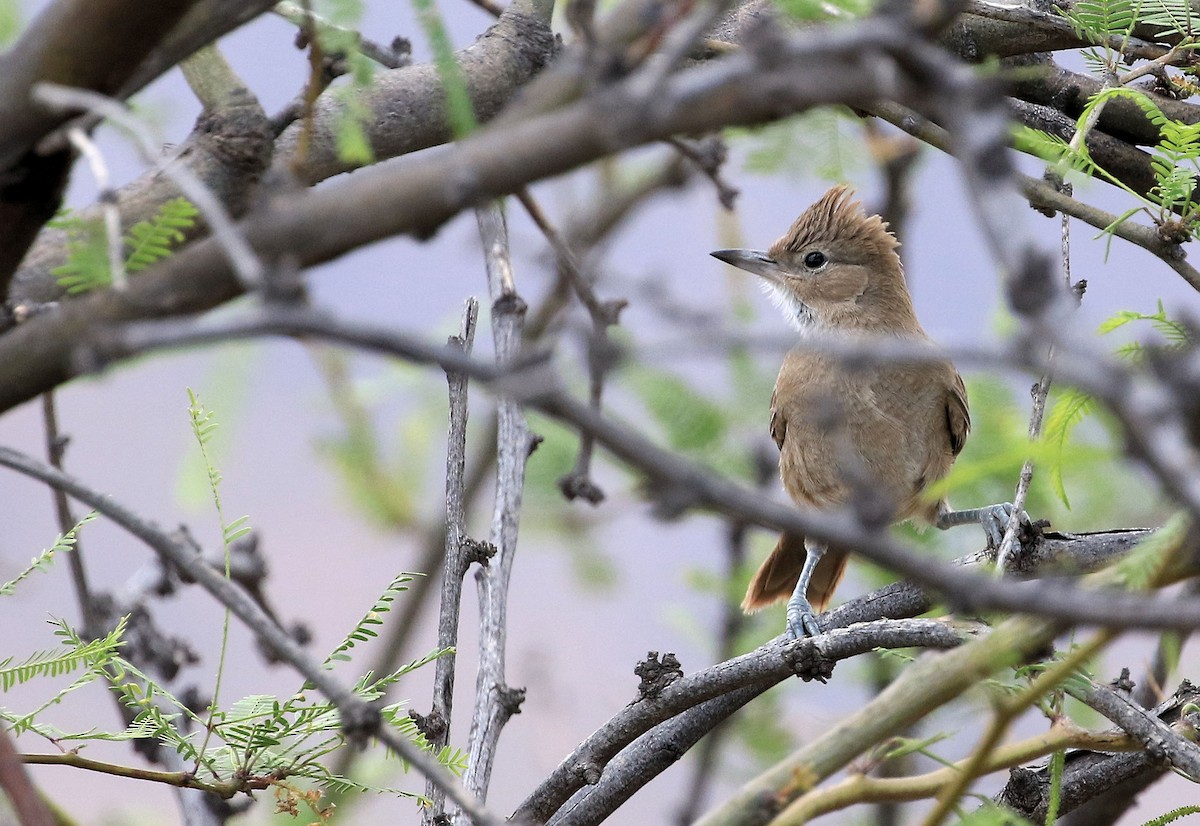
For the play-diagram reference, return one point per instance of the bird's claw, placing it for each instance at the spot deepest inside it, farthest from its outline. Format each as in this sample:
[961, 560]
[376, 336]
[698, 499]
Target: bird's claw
[995, 518]
[801, 619]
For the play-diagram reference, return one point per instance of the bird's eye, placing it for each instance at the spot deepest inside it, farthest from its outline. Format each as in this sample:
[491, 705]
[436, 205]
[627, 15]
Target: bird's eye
[815, 260]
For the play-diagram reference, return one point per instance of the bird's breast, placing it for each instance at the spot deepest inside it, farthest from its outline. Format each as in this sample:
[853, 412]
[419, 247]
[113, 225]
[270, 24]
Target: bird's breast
[881, 426]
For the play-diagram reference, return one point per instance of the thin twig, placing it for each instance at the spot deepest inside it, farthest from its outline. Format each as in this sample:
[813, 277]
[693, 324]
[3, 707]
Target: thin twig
[1040, 393]
[1157, 736]
[310, 22]
[578, 482]
[113, 243]
[56, 445]
[457, 556]
[492, 8]
[1041, 194]
[1130, 396]
[495, 700]
[359, 718]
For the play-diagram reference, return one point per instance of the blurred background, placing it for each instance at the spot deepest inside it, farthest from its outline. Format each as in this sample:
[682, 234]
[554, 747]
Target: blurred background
[593, 589]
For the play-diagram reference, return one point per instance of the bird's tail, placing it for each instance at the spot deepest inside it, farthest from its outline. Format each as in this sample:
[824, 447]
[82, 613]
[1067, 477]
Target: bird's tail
[777, 576]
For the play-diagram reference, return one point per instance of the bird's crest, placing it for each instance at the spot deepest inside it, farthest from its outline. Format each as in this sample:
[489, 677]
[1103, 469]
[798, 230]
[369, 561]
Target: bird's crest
[839, 221]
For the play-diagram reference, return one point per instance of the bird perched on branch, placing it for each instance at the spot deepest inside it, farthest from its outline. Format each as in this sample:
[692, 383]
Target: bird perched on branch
[892, 428]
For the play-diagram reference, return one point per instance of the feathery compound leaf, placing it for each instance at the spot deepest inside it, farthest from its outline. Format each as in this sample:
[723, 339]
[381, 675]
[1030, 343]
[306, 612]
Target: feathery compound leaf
[86, 267]
[1097, 20]
[1172, 16]
[152, 240]
[1140, 567]
[1070, 408]
[1173, 815]
[41, 562]
[363, 631]
[91, 654]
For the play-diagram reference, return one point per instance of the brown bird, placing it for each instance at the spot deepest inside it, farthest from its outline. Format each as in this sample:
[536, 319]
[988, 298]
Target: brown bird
[897, 427]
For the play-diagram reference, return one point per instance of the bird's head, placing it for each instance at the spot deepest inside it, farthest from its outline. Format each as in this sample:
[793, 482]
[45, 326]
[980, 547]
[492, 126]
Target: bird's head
[835, 268]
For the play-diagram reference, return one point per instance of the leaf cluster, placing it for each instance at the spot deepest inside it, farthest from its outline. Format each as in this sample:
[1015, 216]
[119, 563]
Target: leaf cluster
[87, 267]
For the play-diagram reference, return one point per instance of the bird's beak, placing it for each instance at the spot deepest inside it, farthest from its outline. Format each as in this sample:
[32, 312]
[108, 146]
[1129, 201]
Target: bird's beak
[755, 261]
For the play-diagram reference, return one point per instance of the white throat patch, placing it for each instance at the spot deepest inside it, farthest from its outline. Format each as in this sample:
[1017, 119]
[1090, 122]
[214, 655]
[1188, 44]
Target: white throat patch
[796, 312]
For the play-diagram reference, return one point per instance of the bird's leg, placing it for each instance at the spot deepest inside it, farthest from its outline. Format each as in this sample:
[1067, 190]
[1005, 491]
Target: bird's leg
[993, 518]
[801, 620]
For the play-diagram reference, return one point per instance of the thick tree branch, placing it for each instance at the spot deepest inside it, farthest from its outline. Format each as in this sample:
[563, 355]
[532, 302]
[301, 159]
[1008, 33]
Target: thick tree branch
[417, 196]
[407, 106]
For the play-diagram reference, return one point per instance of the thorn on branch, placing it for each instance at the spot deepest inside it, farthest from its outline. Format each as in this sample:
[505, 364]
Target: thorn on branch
[657, 674]
[808, 661]
[535, 440]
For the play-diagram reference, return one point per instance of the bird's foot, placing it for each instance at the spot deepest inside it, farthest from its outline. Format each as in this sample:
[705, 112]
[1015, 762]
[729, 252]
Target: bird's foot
[801, 619]
[995, 518]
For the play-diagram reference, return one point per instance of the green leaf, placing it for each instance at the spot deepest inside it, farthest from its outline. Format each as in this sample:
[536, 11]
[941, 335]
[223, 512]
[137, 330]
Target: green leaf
[62, 543]
[152, 240]
[1070, 407]
[1173, 815]
[690, 421]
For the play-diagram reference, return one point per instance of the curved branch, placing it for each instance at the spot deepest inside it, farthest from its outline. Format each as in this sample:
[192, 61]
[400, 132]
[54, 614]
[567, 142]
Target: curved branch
[407, 107]
[418, 194]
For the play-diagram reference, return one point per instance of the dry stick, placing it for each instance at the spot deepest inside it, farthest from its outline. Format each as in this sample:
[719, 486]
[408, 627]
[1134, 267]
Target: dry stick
[697, 487]
[310, 22]
[863, 788]
[733, 620]
[495, 701]
[108, 201]
[358, 717]
[1007, 711]
[1041, 194]
[56, 445]
[639, 762]
[1144, 726]
[492, 8]
[457, 556]
[1041, 391]
[1132, 47]
[578, 482]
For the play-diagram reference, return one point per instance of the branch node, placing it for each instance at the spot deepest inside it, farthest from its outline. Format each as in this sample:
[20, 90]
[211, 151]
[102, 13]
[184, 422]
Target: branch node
[1123, 683]
[432, 725]
[510, 699]
[475, 550]
[360, 722]
[590, 772]
[656, 675]
[808, 661]
[580, 486]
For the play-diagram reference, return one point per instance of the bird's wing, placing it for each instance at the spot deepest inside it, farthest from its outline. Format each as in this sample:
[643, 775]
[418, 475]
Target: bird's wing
[778, 422]
[958, 418]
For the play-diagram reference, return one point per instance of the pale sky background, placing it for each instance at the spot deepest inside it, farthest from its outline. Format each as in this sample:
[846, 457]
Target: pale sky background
[573, 648]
